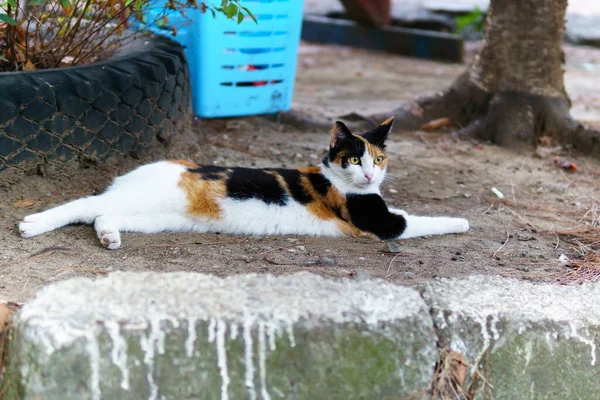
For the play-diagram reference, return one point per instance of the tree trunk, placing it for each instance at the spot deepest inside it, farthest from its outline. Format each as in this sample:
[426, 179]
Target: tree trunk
[513, 92]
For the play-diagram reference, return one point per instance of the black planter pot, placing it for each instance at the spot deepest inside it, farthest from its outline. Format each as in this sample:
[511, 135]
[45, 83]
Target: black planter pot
[121, 106]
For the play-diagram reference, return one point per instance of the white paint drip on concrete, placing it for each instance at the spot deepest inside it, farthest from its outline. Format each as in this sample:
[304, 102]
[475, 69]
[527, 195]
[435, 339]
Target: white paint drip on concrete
[93, 350]
[119, 351]
[290, 332]
[212, 326]
[148, 344]
[485, 335]
[262, 361]
[233, 331]
[272, 330]
[190, 341]
[248, 358]
[586, 340]
[222, 359]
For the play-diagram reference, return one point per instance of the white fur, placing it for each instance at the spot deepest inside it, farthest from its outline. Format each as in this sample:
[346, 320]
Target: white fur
[149, 200]
[429, 226]
[352, 178]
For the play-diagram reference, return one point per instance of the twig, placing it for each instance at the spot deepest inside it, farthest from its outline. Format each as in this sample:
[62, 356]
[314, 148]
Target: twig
[503, 244]
[220, 143]
[486, 211]
[557, 241]
[8, 234]
[512, 187]
[304, 263]
[387, 274]
[279, 248]
[92, 270]
[199, 243]
[50, 249]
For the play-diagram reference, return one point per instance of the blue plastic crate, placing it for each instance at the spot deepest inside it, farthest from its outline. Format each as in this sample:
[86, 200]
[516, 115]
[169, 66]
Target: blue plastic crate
[236, 69]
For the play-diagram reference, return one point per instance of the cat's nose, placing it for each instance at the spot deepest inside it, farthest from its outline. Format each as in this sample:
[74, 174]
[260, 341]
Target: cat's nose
[369, 177]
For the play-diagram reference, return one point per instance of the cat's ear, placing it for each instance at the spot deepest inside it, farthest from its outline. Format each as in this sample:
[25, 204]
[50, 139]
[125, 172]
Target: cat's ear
[338, 133]
[378, 136]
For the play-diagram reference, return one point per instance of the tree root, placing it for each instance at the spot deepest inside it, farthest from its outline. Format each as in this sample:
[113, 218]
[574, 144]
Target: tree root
[509, 119]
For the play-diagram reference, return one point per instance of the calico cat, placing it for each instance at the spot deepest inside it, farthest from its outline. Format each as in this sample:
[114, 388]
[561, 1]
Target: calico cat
[339, 197]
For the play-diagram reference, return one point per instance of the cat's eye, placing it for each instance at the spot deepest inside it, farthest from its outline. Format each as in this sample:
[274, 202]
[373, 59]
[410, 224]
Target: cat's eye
[378, 160]
[354, 160]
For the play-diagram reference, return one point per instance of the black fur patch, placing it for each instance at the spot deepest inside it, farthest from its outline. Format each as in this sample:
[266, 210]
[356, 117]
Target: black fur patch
[247, 183]
[292, 179]
[350, 146]
[369, 213]
[320, 183]
[209, 172]
[378, 136]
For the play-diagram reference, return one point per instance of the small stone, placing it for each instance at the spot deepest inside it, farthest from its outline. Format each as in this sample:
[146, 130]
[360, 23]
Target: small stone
[301, 248]
[109, 268]
[298, 156]
[454, 258]
[291, 250]
[391, 247]
[523, 268]
[246, 258]
[393, 191]
[291, 240]
[408, 275]
[327, 260]
[361, 258]
[467, 195]
[421, 262]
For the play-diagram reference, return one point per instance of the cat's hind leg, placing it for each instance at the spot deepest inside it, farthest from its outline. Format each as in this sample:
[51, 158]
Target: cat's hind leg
[82, 210]
[109, 227]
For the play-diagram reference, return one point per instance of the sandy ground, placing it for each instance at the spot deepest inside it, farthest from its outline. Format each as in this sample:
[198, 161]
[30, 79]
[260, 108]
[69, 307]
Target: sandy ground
[428, 174]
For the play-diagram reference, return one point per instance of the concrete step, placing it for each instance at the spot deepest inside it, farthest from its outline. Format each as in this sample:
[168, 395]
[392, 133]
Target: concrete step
[191, 336]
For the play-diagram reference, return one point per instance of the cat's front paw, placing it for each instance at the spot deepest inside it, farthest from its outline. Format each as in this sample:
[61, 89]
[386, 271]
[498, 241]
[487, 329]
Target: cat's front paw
[462, 225]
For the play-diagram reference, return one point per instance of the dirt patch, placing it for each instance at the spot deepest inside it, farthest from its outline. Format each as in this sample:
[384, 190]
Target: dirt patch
[429, 174]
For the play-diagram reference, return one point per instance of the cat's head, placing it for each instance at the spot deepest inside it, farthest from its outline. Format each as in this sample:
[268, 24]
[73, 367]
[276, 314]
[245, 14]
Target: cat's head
[358, 161]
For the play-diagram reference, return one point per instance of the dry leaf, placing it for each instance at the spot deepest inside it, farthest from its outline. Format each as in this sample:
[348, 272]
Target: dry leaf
[4, 313]
[29, 66]
[23, 203]
[435, 124]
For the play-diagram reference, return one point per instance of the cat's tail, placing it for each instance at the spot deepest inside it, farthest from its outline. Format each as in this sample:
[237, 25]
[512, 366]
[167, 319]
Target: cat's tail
[83, 210]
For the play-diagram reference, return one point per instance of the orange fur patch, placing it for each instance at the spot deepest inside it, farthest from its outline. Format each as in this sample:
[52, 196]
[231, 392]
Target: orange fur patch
[202, 195]
[185, 163]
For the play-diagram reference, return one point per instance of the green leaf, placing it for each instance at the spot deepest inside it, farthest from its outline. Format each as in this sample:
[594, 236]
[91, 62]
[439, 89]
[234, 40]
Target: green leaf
[3, 59]
[240, 17]
[12, 3]
[250, 15]
[231, 10]
[65, 4]
[7, 19]
[138, 4]
[36, 2]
